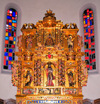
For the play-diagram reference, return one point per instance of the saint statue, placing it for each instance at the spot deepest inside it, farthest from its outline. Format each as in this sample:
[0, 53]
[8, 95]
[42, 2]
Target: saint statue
[28, 78]
[71, 79]
[49, 41]
[49, 73]
[70, 43]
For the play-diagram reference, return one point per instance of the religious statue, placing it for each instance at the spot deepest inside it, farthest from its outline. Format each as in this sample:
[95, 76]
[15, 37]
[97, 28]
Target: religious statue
[71, 79]
[49, 42]
[28, 78]
[49, 73]
[70, 43]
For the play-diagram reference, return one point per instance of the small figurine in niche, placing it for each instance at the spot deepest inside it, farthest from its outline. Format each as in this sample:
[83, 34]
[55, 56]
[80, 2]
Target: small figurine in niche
[71, 79]
[49, 41]
[70, 43]
[49, 73]
[28, 78]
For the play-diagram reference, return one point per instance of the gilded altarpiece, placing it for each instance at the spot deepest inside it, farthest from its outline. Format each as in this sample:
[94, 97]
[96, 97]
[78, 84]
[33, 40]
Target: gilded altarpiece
[49, 68]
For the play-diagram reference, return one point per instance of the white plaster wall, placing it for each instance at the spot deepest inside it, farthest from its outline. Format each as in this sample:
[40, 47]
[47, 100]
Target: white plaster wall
[68, 11]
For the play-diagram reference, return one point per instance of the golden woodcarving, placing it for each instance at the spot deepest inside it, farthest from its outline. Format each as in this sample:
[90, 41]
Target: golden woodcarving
[49, 68]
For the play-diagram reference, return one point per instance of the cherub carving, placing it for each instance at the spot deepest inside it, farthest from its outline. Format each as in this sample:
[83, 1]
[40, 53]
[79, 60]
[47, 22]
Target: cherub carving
[75, 26]
[24, 26]
[66, 26]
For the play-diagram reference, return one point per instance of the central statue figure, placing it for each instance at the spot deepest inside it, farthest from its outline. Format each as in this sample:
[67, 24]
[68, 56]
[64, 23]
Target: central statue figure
[49, 73]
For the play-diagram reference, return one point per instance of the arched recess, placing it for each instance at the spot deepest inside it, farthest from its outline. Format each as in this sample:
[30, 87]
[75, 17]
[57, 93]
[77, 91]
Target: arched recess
[28, 77]
[11, 31]
[93, 8]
